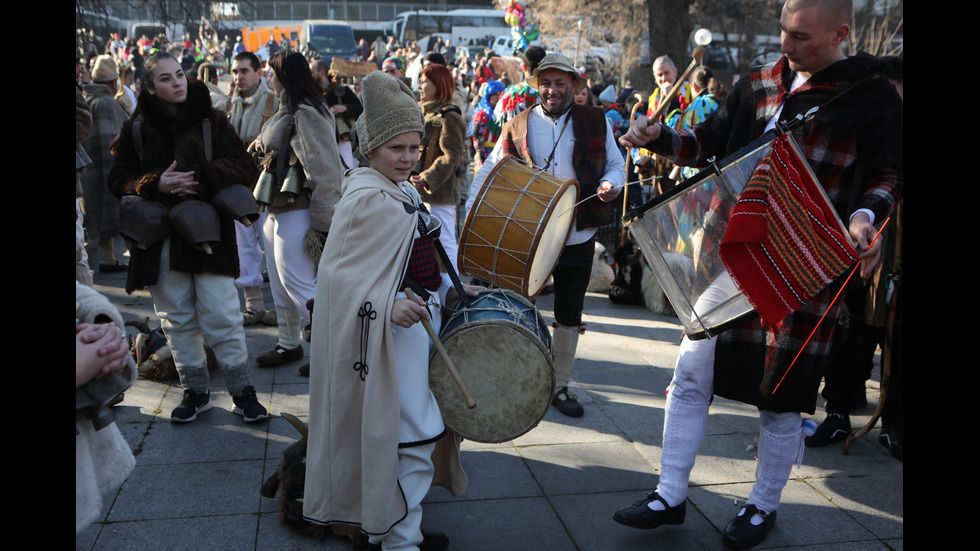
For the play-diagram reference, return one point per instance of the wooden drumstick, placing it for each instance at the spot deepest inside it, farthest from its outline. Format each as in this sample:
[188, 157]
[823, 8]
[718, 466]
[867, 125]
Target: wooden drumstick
[470, 402]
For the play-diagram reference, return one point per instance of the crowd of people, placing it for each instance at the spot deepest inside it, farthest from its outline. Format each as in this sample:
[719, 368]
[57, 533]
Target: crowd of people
[360, 183]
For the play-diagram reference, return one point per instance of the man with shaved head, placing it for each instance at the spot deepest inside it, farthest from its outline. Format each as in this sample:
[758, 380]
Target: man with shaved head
[854, 146]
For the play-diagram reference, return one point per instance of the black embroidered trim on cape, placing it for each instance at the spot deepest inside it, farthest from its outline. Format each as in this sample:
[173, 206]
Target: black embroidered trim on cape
[366, 313]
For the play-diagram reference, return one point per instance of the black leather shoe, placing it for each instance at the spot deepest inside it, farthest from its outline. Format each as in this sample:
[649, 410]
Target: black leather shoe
[567, 403]
[834, 428]
[433, 541]
[741, 533]
[113, 268]
[640, 515]
[279, 356]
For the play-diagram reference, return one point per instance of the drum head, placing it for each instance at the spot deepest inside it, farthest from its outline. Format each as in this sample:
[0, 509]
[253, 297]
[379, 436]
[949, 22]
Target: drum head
[551, 241]
[507, 370]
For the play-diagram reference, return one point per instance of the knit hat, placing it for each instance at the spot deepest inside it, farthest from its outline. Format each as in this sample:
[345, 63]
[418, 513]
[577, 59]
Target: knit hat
[397, 62]
[609, 94]
[390, 109]
[560, 62]
[105, 69]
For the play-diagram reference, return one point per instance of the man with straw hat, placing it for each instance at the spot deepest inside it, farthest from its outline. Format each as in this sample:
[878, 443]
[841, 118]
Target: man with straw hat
[570, 141]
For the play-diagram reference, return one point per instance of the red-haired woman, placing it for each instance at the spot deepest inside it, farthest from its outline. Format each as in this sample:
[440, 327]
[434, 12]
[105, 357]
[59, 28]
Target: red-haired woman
[443, 152]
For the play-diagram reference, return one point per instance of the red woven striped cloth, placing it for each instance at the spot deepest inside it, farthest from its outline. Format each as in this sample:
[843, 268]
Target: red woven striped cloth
[784, 242]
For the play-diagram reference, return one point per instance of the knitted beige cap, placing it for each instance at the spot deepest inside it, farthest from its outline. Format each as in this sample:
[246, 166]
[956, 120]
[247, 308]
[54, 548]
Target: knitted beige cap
[390, 109]
[105, 69]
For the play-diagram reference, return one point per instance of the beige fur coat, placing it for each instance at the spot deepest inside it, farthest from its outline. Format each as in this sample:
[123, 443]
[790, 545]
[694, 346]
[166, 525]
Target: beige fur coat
[103, 458]
[314, 145]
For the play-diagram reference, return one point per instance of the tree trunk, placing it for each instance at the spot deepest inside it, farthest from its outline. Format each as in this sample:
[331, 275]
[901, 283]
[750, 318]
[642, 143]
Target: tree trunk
[670, 27]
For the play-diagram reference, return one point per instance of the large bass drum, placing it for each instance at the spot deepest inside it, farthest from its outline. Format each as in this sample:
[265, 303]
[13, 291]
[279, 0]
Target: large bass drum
[519, 222]
[502, 349]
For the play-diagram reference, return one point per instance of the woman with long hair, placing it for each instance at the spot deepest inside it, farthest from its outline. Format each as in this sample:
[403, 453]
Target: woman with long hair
[299, 144]
[193, 291]
[443, 152]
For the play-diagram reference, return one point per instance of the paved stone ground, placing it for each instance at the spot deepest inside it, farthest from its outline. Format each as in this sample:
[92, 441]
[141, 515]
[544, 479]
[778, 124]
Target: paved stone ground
[196, 486]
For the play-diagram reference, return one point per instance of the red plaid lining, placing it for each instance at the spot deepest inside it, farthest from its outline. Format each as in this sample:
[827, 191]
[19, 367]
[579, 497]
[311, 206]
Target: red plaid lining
[422, 264]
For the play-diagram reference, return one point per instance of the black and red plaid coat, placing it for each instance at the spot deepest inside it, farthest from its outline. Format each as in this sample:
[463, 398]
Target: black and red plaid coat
[855, 147]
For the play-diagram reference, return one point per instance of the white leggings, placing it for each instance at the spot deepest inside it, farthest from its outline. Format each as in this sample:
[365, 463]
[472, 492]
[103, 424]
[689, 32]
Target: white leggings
[415, 471]
[447, 215]
[249, 241]
[688, 397]
[292, 273]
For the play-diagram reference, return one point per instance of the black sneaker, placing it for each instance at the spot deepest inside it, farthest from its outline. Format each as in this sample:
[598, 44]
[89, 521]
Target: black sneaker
[567, 402]
[192, 404]
[834, 428]
[433, 541]
[893, 438]
[247, 405]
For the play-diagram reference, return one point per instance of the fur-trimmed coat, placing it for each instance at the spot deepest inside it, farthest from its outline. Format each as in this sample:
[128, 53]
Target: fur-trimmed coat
[443, 156]
[855, 148]
[169, 137]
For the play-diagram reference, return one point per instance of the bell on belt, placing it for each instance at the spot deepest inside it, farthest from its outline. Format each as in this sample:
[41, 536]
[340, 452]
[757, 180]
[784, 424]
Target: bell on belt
[238, 203]
[197, 222]
[264, 188]
[143, 221]
[294, 183]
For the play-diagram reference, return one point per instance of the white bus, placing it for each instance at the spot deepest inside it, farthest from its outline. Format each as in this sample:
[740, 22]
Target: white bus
[464, 27]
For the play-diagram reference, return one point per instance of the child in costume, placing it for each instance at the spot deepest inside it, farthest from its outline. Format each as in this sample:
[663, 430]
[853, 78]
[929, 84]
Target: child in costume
[377, 441]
